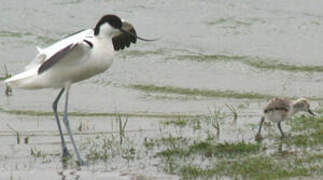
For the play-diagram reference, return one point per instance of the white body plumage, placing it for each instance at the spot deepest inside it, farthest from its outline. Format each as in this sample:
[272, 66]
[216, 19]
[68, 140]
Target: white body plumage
[82, 62]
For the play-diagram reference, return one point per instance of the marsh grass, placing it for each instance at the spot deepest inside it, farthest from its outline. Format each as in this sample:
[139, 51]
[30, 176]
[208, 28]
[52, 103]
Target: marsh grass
[83, 126]
[100, 148]
[26, 140]
[180, 121]
[17, 133]
[233, 111]
[36, 153]
[309, 131]
[14, 34]
[212, 121]
[253, 167]
[104, 148]
[151, 88]
[304, 123]
[211, 149]
[7, 75]
[199, 92]
[176, 150]
[95, 114]
[255, 62]
[122, 123]
[206, 158]
[194, 152]
[215, 119]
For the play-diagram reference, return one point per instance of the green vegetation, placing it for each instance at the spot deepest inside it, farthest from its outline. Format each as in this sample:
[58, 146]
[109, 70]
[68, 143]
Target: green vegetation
[177, 122]
[209, 159]
[101, 150]
[104, 148]
[141, 53]
[200, 92]
[26, 140]
[255, 62]
[150, 88]
[16, 133]
[36, 153]
[45, 40]
[39, 39]
[8, 91]
[233, 110]
[168, 141]
[192, 148]
[122, 123]
[309, 129]
[252, 167]
[303, 123]
[14, 34]
[99, 114]
[211, 149]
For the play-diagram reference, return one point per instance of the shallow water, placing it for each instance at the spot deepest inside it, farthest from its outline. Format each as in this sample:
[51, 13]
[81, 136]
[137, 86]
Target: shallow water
[266, 47]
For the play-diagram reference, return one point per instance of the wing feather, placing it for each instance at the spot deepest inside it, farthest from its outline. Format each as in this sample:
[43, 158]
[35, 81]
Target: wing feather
[48, 57]
[277, 104]
[55, 58]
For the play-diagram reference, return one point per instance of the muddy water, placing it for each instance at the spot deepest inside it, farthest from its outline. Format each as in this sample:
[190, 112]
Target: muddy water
[266, 47]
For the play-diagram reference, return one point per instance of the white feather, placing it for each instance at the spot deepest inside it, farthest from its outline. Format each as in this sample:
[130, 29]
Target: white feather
[79, 64]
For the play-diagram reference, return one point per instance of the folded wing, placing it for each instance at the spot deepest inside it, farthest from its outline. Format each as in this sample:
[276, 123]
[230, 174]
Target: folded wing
[51, 55]
[277, 104]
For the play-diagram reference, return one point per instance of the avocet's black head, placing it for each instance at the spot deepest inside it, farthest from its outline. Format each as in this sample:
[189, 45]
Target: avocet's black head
[113, 20]
[116, 27]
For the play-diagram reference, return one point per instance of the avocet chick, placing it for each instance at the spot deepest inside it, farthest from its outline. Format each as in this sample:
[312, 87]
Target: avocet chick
[278, 110]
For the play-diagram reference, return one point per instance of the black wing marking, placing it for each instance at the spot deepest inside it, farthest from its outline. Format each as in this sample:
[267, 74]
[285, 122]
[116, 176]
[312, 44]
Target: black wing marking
[123, 39]
[90, 44]
[55, 58]
[277, 104]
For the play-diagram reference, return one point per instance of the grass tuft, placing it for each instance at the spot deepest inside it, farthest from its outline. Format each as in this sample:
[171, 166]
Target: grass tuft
[258, 167]
[233, 111]
[177, 122]
[8, 91]
[310, 131]
[209, 149]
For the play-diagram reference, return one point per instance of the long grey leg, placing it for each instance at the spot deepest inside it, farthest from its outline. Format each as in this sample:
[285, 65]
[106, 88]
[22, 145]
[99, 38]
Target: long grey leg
[280, 129]
[67, 125]
[260, 126]
[64, 148]
[258, 136]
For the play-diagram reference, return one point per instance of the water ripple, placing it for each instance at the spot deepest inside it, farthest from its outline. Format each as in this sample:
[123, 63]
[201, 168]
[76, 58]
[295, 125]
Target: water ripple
[252, 61]
[255, 62]
[150, 88]
[38, 39]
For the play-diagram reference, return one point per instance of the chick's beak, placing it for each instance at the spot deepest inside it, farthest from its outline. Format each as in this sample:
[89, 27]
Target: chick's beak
[311, 112]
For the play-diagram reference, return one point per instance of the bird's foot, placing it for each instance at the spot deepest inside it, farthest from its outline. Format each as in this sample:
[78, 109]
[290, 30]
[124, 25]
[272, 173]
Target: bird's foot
[66, 155]
[80, 162]
[283, 136]
[259, 137]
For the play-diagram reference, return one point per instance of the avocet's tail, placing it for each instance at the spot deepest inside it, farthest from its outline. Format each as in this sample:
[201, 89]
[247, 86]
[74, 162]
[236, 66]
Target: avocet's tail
[22, 80]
